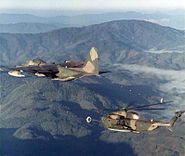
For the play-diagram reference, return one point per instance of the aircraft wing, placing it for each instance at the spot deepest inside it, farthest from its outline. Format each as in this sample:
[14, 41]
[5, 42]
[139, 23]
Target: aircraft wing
[44, 71]
[41, 71]
[67, 74]
[73, 64]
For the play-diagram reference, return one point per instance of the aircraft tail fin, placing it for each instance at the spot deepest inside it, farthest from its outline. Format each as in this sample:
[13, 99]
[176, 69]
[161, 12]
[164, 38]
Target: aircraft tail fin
[92, 64]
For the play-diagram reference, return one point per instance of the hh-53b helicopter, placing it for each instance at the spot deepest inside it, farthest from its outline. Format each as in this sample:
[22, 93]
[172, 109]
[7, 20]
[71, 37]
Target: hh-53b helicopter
[128, 120]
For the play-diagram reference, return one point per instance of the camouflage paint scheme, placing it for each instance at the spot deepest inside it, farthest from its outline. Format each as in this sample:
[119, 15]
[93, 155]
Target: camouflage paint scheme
[124, 121]
[69, 70]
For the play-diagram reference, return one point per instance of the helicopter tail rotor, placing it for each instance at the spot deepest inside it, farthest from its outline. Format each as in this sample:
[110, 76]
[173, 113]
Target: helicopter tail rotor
[177, 116]
[179, 113]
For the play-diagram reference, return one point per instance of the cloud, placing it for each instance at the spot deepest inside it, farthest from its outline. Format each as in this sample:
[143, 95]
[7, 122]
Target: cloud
[173, 86]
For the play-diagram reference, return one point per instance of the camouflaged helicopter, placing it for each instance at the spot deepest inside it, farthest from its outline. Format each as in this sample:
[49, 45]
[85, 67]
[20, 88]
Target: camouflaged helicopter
[128, 120]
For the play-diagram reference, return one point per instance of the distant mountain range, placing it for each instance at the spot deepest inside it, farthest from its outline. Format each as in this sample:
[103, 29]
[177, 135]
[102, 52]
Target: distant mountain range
[27, 27]
[124, 41]
[175, 21]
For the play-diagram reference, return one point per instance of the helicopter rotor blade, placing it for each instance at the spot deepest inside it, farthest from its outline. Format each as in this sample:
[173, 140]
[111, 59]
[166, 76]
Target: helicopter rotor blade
[144, 106]
[129, 105]
[149, 109]
[140, 109]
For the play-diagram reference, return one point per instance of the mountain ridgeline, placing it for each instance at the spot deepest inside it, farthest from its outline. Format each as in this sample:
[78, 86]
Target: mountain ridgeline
[27, 27]
[125, 41]
[174, 20]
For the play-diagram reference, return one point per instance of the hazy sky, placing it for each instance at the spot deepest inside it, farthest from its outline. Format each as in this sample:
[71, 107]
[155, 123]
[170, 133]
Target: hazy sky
[92, 4]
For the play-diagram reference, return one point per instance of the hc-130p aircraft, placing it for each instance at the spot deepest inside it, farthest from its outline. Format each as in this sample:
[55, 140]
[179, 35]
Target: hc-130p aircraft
[69, 70]
[128, 120]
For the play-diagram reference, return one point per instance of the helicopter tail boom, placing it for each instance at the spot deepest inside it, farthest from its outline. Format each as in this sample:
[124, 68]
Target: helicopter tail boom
[173, 120]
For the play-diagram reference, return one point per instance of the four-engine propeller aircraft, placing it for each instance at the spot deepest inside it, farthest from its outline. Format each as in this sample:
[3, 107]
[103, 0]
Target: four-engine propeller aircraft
[127, 120]
[69, 70]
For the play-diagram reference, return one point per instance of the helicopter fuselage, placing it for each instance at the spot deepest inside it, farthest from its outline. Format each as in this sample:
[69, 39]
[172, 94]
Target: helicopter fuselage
[129, 122]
